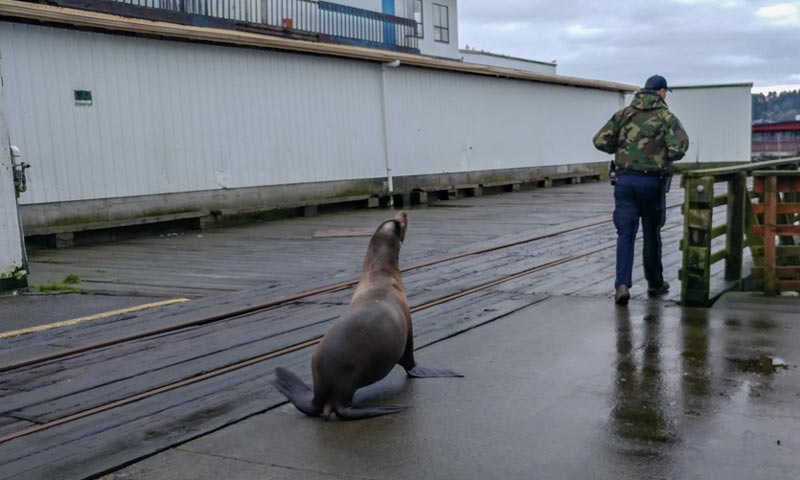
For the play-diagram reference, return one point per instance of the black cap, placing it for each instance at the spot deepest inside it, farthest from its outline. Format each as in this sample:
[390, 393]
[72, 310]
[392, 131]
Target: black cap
[656, 83]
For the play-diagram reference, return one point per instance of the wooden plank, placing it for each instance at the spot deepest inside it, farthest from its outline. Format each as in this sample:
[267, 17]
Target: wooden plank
[10, 424]
[110, 374]
[788, 180]
[753, 241]
[788, 250]
[770, 201]
[747, 167]
[779, 230]
[759, 184]
[53, 341]
[781, 250]
[700, 191]
[719, 231]
[700, 219]
[734, 241]
[124, 222]
[718, 256]
[782, 273]
[788, 285]
[781, 208]
[353, 232]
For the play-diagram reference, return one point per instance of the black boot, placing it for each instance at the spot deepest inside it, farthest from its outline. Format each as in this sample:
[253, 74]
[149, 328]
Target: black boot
[622, 295]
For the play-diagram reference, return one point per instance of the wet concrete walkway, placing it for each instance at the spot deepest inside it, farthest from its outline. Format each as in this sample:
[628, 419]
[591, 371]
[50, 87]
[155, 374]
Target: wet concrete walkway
[568, 388]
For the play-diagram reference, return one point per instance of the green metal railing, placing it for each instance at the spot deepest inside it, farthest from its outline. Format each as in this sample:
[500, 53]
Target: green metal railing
[703, 245]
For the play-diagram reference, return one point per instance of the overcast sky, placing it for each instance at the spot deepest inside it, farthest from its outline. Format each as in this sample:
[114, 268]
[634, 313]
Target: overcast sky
[690, 42]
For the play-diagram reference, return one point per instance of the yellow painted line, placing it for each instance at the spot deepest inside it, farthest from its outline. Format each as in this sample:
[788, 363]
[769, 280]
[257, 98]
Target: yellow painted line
[98, 316]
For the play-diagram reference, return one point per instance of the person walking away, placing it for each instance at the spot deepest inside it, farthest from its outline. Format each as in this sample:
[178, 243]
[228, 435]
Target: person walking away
[645, 138]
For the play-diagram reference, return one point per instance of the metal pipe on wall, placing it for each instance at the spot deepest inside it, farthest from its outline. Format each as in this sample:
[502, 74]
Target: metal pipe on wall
[390, 182]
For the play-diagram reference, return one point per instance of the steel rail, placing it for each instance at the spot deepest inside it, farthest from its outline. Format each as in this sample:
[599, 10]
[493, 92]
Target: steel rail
[290, 349]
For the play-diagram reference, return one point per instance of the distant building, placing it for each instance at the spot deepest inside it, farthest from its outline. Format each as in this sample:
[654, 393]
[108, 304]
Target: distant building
[436, 22]
[776, 140]
[718, 119]
[427, 27]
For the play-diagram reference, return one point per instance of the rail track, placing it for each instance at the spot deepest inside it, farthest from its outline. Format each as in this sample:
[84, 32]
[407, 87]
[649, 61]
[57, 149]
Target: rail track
[282, 300]
[298, 346]
[271, 303]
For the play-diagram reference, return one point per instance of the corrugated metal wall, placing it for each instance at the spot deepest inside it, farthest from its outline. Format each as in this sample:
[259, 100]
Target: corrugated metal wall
[448, 122]
[174, 117]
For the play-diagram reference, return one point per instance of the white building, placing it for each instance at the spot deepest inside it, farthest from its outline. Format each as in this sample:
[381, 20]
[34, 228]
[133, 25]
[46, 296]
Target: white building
[719, 119]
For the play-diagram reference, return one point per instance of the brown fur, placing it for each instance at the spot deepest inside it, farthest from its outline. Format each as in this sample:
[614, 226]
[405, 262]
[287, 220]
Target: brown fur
[364, 344]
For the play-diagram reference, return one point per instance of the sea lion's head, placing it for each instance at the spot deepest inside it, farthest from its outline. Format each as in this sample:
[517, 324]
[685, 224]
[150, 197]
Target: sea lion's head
[384, 246]
[396, 226]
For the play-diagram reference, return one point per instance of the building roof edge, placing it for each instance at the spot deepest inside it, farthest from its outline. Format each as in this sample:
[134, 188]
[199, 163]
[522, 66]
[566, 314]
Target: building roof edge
[70, 17]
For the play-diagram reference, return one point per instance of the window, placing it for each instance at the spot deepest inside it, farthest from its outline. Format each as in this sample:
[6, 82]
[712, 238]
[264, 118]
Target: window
[83, 97]
[441, 23]
[418, 18]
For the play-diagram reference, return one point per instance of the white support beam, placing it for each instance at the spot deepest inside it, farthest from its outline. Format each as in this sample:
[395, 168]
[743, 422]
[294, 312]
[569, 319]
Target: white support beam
[13, 271]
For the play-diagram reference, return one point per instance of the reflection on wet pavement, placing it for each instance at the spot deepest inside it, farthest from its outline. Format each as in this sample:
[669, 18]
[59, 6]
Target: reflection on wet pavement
[679, 383]
[639, 411]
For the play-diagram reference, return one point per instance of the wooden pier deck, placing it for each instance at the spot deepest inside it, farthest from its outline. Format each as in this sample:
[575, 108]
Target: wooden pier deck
[286, 254]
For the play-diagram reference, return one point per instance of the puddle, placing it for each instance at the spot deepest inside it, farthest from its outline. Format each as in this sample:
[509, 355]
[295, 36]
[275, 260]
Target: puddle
[765, 365]
[763, 324]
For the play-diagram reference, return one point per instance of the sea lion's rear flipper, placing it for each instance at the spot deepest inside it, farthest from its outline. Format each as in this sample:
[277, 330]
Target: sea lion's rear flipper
[351, 412]
[424, 372]
[296, 391]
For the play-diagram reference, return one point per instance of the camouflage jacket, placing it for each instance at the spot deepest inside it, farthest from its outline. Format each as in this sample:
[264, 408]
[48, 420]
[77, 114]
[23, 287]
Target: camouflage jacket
[644, 135]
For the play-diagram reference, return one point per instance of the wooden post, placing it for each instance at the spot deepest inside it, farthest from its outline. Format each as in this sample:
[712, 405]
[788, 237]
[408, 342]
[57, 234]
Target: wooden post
[734, 241]
[770, 217]
[696, 265]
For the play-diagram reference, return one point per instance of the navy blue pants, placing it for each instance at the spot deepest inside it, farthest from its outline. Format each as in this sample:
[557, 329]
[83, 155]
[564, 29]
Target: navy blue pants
[639, 197]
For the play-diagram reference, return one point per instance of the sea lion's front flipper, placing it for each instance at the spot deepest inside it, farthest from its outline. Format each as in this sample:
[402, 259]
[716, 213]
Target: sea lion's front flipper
[351, 412]
[424, 372]
[413, 369]
[296, 391]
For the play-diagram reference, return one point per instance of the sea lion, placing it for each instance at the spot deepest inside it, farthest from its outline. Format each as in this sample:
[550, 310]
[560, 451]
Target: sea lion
[363, 345]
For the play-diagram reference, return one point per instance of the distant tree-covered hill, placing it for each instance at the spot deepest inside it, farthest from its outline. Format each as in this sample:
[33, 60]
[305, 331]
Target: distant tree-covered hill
[776, 107]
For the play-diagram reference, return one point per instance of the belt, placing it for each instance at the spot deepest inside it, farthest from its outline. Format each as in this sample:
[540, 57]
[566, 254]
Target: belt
[643, 173]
